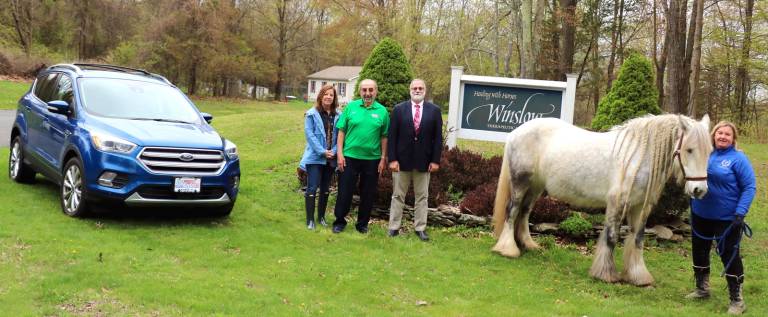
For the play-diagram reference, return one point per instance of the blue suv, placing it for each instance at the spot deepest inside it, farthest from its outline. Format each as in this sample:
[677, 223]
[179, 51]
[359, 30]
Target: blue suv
[116, 135]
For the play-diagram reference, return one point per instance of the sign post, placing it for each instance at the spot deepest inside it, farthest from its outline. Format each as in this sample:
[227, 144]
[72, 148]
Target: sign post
[488, 108]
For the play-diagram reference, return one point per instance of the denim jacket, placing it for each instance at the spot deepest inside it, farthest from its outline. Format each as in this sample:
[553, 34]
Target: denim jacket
[314, 132]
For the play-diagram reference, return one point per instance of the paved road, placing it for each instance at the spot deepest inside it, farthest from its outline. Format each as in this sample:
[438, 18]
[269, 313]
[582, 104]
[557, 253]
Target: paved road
[6, 121]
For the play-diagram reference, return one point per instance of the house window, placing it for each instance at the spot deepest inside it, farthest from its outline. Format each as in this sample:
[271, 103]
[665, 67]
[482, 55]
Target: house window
[325, 83]
[342, 89]
[312, 86]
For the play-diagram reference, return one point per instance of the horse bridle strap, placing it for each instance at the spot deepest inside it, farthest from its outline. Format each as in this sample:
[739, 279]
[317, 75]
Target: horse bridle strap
[680, 160]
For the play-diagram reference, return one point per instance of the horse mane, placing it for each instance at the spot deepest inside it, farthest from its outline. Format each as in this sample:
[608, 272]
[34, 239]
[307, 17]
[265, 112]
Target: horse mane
[647, 141]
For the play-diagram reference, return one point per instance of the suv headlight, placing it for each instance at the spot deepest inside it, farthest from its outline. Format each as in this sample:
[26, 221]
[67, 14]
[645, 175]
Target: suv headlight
[108, 143]
[231, 150]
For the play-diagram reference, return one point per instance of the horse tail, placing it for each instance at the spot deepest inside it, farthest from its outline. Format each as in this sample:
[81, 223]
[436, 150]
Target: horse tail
[501, 203]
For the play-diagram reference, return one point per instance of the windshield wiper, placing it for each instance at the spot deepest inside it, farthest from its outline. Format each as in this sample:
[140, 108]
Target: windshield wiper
[159, 120]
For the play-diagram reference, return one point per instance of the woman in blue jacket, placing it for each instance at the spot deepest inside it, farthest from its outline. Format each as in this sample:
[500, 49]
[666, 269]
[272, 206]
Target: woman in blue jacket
[319, 159]
[720, 214]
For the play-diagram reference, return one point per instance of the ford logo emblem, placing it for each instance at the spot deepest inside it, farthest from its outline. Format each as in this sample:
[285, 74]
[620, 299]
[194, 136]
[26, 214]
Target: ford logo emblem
[186, 157]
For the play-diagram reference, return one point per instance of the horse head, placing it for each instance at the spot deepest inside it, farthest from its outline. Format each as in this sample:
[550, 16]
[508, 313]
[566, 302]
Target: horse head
[692, 150]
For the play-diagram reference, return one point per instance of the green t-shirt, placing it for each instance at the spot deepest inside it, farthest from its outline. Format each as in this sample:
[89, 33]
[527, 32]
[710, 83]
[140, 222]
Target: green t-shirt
[363, 129]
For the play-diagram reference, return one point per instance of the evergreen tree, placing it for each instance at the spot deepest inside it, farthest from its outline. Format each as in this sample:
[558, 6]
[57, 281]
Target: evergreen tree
[633, 94]
[389, 67]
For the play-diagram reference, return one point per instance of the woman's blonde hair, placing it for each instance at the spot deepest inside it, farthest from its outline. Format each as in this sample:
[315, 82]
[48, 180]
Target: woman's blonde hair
[725, 124]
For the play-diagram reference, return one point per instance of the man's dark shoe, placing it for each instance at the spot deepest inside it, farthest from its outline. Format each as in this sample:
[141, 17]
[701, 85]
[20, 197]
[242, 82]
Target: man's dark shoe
[338, 229]
[422, 235]
[393, 233]
[362, 230]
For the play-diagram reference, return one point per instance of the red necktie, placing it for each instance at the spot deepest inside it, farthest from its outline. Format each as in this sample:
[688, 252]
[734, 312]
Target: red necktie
[417, 118]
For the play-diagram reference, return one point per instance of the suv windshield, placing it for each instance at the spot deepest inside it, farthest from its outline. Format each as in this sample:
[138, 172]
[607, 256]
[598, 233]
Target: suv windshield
[137, 100]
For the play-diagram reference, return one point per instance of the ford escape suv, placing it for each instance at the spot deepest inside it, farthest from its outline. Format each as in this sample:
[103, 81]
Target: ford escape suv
[116, 135]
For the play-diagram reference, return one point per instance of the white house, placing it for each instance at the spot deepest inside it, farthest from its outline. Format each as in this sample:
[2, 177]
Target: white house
[343, 78]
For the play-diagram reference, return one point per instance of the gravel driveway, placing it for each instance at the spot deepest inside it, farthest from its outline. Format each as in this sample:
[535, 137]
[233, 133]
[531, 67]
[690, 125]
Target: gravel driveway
[6, 121]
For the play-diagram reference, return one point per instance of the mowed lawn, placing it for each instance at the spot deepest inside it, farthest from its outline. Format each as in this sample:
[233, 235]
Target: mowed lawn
[10, 92]
[263, 262]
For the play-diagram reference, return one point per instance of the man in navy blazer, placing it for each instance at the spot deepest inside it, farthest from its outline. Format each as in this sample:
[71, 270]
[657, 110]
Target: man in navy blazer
[414, 149]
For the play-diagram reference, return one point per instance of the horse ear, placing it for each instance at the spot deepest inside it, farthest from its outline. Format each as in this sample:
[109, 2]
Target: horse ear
[705, 121]
[683, 123]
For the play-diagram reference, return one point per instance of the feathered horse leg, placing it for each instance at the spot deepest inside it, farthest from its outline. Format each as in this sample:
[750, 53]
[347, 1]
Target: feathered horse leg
[635, 271]
[603, 266]
[506, 208]
[523, 232]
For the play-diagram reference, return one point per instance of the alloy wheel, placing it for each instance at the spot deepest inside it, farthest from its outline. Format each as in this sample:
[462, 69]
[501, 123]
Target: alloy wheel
[15, 160]
[72, 189]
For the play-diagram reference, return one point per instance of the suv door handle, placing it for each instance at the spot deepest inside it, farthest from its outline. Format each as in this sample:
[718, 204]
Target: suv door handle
[46, 124]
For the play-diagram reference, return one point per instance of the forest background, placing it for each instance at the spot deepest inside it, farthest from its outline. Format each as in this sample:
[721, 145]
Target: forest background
[709, 56]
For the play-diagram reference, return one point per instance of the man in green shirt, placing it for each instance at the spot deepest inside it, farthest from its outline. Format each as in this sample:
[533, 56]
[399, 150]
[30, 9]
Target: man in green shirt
[362, 152]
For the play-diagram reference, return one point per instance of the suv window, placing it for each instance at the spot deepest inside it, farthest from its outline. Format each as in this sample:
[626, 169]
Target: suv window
[64, 90]
[46, 86]
[133, 99]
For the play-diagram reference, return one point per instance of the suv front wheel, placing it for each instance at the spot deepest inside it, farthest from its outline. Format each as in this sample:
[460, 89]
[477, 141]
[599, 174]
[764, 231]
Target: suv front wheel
[72, 202]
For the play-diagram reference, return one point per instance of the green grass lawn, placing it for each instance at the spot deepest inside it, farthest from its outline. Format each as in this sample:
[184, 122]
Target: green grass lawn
[10, 92]
[263, 262]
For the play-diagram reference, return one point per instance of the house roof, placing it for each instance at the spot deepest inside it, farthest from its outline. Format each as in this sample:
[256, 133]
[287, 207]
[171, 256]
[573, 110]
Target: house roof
[338, 73]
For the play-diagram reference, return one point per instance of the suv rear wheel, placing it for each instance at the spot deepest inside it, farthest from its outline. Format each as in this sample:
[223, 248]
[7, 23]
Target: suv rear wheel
[72, 202]
[19, 171]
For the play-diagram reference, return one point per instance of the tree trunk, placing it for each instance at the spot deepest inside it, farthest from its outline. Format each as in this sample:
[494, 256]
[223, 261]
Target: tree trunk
[282, 9]
[193, 78]
[742, 79]
[659, 61]
[677, 76]
[527, 62]
[568, 37]
[21, 11]
[695, 57]
[615, 30]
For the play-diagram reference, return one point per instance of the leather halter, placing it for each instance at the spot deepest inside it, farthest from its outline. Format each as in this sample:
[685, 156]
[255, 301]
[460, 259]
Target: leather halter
[680, 160]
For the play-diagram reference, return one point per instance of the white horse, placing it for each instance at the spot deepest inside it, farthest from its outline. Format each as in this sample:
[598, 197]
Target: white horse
[623, 170]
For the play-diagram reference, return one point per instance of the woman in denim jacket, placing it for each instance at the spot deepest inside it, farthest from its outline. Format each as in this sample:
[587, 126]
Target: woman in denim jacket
[319, 159]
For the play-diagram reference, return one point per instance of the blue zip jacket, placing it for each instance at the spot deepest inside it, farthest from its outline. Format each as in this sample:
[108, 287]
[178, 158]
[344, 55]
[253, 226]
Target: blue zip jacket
[314, 132]
[731, 183]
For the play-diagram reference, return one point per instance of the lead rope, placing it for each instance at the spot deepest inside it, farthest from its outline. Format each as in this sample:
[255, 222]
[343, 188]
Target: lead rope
[746, 230]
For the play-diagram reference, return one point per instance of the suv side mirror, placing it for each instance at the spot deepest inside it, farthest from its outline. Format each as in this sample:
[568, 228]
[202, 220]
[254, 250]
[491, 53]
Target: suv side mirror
[207, 116]
[59, 106]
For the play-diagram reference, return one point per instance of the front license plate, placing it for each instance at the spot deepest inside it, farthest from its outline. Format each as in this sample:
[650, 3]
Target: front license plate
[186, 185]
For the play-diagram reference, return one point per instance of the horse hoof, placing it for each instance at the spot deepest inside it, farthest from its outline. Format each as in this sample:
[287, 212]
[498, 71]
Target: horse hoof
[507, 252]
[640, 282]
[606, 277]
[531, 245]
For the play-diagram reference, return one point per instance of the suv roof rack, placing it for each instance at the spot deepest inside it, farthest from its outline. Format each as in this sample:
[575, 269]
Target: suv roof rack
[70, 66]
[79, 67]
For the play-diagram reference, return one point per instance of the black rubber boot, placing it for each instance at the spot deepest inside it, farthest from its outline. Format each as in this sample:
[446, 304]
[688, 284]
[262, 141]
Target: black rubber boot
[701, 274]
[309, 205]
[322, 202]
[737, 305]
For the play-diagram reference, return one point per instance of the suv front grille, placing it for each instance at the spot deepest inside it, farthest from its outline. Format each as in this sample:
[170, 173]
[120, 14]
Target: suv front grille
[166, 192]
[182, 161]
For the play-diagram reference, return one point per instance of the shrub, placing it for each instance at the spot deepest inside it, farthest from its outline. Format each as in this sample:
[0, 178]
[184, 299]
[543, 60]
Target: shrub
[633, 94]
[466, 170]
[389, 67]
[548, 209]
[479, 201]
[672, 204]
[437, 192]
[575, 225]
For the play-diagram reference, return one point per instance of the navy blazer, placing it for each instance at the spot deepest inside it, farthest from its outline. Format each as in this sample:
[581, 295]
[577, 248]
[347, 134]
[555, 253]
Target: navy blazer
[411, 151]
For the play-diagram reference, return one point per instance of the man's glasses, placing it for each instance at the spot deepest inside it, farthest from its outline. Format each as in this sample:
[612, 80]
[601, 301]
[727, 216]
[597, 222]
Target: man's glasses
[367, 89]
[418, 88]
